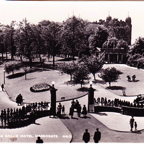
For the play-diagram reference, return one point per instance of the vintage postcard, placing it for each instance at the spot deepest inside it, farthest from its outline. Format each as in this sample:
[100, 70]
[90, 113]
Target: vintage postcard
[71, 72]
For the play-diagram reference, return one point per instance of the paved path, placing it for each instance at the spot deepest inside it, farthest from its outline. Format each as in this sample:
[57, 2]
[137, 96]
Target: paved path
[50, 129]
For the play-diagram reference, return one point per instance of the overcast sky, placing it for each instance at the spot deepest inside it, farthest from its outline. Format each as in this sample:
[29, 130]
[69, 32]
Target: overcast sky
[36, 11]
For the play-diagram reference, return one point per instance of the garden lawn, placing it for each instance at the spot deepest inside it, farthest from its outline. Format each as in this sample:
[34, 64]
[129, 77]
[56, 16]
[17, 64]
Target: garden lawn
[19, 85]
[131, 88]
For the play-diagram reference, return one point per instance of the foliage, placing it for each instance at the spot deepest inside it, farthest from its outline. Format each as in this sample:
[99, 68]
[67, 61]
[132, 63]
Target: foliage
[26, 41]
[138, 47]
[110, 43]
[93, 63]
[81, 74]
[12, 66]
[72, 36]
[97, 39]
[50, 34]
[40, 87]
[122, 44]
[110, 75]
[68, 68]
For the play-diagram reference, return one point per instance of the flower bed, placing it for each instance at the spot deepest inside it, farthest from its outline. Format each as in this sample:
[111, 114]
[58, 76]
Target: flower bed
[40, 87]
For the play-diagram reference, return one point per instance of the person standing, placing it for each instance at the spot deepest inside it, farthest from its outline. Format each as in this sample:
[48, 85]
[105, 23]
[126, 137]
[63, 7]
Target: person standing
[86, 136]
[63, 109]
[97, 136]
[2, 86]
[39, 140]
[79, 110]
[71, 111]
[135, 124]
[84, 112]
[131, 123]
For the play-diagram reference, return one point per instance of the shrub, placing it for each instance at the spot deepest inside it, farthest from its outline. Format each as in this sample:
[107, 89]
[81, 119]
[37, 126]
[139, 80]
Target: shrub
[12, 66]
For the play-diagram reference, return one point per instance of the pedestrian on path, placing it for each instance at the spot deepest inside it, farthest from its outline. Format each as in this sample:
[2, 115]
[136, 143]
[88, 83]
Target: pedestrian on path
[63, 109]
[97, 136]
[84, 112]
[39, 140]
[86, 136]
[135, 124]
[71, 111]
[132, 123]
[79, 110]
[2, 86]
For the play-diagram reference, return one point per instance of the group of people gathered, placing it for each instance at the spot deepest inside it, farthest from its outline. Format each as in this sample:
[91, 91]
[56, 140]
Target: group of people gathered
[133, 124]
[76, 105]
[133, 78]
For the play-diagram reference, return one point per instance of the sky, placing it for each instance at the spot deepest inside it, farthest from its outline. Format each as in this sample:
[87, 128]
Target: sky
[36, 11]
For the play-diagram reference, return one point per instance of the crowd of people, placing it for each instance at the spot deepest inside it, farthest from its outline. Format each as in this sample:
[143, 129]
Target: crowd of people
[116, 103]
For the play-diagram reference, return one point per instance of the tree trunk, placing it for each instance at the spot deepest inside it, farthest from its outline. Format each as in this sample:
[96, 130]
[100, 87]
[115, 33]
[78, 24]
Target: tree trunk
[2, 56]
[109, 84]
[30, 62]
[71, 77]
[94, 76]
[21, 58]
[53, 60]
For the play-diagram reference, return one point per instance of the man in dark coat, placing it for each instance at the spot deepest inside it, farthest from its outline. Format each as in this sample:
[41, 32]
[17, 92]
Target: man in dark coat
[86, 136]
[97, 136]
[131, 123]
[71, 111]
[39, 140]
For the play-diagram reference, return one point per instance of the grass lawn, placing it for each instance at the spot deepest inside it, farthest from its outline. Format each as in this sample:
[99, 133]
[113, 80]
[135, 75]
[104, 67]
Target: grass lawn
[15, 86]
[131, 88]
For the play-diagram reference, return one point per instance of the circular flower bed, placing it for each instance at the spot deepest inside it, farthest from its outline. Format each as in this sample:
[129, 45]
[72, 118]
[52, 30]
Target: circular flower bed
[40, 87]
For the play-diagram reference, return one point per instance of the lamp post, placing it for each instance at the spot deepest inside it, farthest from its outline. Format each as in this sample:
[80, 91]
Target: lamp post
[90, 96]
[53, 99]
[4, 76]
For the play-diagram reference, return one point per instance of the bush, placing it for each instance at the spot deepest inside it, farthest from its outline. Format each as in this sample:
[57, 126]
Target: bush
[40, 87]
[12, 66]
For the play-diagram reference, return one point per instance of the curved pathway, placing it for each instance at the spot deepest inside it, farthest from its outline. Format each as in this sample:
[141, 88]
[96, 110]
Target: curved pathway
[50, 129]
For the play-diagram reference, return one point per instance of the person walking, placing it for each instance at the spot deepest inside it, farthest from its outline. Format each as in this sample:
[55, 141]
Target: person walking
[63, 109]
[84, 112]
[2, 86]
[131, 123]
[135, 124]
[97, 136]
[79, 110]
[39, 140]
[86, 136]
[71, 111]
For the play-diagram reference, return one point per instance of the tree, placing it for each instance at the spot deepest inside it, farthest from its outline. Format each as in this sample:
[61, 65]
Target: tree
[40, 50]
[72, 35]
[81, 74]
[68, 68]
[138, 46]
[97, 39]
[26, 42]
[50, 34]
[110, 43]
[93, 63]
[122, 44]
[110, 75]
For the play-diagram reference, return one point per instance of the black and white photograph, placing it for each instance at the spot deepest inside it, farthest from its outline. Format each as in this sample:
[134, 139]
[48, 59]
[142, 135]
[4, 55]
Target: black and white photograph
[72, 72]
